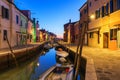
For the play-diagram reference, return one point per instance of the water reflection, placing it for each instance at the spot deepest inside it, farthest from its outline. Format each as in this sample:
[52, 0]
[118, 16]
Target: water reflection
[31, 70]
[45, 62]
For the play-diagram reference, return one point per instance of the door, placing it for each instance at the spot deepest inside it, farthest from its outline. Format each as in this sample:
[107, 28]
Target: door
[105, 40]
[118, 38]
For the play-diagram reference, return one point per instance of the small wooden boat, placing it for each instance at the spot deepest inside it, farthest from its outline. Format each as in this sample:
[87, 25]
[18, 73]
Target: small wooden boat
[58, 72]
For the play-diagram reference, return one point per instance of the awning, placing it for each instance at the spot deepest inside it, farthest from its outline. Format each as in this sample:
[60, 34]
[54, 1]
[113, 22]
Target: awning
[93, 30]
[115, 26]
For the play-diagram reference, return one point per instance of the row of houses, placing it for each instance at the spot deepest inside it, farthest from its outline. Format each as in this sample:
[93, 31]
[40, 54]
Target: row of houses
[17, 27]
[102, 22]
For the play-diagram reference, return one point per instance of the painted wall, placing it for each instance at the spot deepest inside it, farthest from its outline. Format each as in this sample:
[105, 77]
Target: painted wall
[23, 29]
[105, 23]
[5, 25]
[76, 27]
[16, 26]
[29, 32]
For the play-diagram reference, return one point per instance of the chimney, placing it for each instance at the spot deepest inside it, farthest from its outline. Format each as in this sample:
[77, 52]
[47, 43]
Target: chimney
[11, 1]
[33, 19]
[37, 22]
[69, 20]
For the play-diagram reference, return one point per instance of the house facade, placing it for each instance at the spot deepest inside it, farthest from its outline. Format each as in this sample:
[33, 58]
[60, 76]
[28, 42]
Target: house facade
[13, 24]
[69, 33]
[37, 32]
[104, 28]
[23, 29]
[76, 28]
[5, 28]
[84, 21]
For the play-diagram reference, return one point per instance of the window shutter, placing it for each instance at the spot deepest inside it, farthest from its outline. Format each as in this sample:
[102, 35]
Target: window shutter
[3, 12]
[107, 7]
[102, 11]
[111, 6]
[118, 4]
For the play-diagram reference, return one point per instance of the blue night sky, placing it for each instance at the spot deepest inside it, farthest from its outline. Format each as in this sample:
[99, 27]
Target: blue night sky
[52, 14]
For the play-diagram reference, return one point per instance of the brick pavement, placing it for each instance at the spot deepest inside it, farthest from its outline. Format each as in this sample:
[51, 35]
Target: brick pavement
[106, 61]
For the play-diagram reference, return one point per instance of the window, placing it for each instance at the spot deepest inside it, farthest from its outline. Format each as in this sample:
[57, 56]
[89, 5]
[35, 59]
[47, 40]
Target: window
[4, 34]
[113, 34]
[91, 34]
[17, 19]
[111, 6]
[5, 13]
[118, 4]
[28, 36]
[85, 11]
[80, 14]
[97, 13]
[21, 23]
[105, 10]
[90, 4]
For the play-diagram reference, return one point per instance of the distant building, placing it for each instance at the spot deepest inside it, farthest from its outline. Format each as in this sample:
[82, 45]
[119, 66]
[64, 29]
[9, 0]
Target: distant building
[69, 33]
[37, 32]
[77, 33]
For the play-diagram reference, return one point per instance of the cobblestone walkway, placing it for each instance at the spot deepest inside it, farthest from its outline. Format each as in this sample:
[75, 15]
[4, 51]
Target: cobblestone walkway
[106, 62]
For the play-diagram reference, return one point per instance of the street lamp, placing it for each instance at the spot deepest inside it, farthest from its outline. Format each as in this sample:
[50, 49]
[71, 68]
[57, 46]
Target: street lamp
[92, 16]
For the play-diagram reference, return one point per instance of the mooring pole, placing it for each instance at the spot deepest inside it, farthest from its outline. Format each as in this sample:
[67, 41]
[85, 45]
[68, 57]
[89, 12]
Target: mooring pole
[78, 59]
[12, 53]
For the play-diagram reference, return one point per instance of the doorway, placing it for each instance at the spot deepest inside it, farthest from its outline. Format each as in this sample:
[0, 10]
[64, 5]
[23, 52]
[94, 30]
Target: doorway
[105, 40]
[118, 38]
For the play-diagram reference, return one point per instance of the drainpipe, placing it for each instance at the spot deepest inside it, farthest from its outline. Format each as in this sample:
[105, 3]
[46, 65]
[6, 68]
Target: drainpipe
[11, 22]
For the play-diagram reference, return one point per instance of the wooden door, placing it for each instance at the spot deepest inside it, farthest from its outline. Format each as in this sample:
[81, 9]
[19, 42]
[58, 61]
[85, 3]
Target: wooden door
[105, 40]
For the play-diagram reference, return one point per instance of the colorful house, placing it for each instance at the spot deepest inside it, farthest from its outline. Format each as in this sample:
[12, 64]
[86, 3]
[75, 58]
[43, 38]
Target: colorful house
[5, 25]
[23, 29]
[37, 32]
[104, 28]
[27, 13]
[34, 30]
[69, 33]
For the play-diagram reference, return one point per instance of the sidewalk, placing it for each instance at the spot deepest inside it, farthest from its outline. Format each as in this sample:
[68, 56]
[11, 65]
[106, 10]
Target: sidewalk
[18, 48]
[106, 62]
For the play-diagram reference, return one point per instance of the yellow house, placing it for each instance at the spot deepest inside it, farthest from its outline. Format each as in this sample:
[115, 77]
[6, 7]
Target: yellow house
[104, 24]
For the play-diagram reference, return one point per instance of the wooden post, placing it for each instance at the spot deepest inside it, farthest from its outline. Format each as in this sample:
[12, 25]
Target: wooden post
[11, 51]
[79, 47]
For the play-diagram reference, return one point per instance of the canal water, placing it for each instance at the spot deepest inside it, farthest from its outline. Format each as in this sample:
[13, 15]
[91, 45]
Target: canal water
[31, 70]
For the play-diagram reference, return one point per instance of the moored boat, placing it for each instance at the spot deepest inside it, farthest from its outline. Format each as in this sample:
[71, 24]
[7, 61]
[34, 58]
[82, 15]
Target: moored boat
[58, 72]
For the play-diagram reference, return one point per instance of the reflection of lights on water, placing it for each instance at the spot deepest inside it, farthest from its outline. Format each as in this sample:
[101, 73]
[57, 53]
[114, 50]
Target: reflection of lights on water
[43, 52]
[38, 64]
